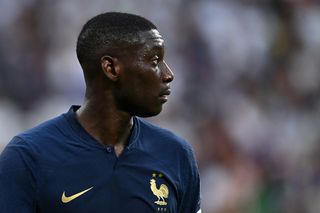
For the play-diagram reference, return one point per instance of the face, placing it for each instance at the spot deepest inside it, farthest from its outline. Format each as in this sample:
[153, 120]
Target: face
[144, 85]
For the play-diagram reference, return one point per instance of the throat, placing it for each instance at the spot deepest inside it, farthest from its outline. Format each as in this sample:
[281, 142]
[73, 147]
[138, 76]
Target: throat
[119, 150]
[108, 128]
[118, 139]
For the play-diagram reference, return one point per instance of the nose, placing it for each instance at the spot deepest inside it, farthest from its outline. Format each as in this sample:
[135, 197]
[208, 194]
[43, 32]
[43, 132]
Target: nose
[167, 74]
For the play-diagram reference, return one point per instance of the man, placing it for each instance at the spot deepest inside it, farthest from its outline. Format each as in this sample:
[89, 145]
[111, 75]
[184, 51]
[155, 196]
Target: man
[101, 157]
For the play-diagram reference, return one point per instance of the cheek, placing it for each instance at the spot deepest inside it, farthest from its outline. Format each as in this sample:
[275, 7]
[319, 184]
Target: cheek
[141, 100]
[146, 85]
[138, 90]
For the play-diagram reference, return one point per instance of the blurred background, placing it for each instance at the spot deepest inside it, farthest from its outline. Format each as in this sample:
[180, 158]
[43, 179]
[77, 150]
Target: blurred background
[246, 93]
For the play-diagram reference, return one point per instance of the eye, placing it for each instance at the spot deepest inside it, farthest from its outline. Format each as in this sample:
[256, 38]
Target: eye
[155, 60]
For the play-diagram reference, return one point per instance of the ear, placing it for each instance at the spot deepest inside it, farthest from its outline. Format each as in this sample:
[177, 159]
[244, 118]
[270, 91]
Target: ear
[111, 67]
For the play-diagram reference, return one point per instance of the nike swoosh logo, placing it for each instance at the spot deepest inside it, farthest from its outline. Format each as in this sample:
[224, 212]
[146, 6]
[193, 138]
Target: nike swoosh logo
[67, 199]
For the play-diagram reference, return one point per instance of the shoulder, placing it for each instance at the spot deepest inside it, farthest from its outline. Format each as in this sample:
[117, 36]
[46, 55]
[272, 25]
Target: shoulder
[41, 144]
[39, 136]
[175, 153]
[165, 146]
[154, 135]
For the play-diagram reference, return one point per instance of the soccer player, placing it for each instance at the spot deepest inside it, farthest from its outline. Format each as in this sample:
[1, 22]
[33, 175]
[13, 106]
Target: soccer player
[102, 157]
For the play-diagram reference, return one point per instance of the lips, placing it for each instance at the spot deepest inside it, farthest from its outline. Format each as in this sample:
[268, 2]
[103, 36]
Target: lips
[164, 95]
[166, 92]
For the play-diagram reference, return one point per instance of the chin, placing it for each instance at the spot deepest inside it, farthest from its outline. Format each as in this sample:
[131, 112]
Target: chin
[148, 113]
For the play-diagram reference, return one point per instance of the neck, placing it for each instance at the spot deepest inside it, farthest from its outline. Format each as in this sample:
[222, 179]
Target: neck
[105, 123]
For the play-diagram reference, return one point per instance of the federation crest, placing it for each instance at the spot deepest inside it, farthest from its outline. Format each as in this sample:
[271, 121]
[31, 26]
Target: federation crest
[161, 192]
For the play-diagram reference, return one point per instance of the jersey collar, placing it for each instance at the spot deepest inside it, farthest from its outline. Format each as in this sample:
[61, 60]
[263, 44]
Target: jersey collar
[85, 137]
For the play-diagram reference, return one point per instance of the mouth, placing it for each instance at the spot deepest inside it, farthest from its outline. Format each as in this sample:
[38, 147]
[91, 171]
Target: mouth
[164, 95]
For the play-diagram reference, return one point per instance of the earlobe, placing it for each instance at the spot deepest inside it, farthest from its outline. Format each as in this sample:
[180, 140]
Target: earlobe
[110, 67]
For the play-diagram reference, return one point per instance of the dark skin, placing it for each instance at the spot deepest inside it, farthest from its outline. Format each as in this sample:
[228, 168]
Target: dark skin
[136, 85]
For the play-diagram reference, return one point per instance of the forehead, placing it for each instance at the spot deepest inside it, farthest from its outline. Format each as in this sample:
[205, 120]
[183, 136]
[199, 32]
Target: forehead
[151, 39]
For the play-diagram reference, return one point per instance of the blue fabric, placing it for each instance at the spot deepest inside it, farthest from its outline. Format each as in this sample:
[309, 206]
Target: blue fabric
[155, 173]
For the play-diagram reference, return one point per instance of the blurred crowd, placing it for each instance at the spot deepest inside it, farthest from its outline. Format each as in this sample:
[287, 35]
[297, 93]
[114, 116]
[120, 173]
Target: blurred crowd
[246, 93]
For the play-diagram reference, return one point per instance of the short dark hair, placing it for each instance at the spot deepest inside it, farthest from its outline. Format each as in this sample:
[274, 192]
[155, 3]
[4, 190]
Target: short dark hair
[109, 33]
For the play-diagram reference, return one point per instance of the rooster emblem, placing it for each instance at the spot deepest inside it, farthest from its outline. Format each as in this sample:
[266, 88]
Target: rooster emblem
[161, 193]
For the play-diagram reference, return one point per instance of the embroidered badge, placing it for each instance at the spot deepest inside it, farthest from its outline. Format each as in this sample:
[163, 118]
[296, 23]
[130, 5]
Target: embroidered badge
[161, 192]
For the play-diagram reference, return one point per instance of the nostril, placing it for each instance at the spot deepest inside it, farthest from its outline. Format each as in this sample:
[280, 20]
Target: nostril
[167, 75]
[171, 75]
[168, 78]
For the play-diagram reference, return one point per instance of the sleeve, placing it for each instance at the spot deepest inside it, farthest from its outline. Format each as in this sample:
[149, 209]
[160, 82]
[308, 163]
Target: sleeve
[17, 178]
[190, 198]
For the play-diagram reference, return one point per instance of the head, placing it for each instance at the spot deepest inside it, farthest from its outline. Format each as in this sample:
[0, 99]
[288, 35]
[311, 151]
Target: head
[122, 55]
[152, 181]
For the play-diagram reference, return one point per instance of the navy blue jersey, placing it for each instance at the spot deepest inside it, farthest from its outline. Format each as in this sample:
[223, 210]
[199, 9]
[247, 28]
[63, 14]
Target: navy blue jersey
[57, 167]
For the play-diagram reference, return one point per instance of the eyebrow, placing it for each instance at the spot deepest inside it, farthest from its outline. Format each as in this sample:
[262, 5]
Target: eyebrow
[158, 49]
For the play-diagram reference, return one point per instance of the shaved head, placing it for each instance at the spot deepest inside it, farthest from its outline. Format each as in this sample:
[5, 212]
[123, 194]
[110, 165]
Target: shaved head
[113, 33]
